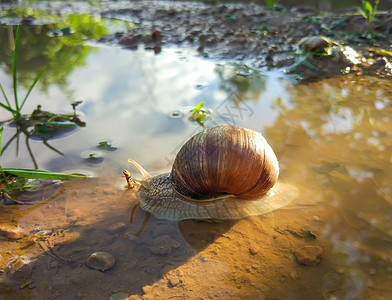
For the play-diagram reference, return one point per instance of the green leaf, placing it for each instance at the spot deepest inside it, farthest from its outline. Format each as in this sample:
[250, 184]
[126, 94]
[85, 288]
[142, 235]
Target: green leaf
[368, 8]
[104, 145]
[7, 107]
[42, 174]
[362, 12]
[6, 99]
[198, 107]
[32, 86]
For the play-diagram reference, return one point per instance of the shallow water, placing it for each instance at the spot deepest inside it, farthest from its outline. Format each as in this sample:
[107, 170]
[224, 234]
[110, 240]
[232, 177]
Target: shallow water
[331, 137]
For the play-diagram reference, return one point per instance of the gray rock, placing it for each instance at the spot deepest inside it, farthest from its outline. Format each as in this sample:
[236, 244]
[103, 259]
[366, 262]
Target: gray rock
[101, 261]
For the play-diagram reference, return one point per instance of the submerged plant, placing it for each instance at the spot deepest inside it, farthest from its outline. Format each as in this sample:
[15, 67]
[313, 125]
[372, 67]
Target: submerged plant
[16, 110]
[17, 179]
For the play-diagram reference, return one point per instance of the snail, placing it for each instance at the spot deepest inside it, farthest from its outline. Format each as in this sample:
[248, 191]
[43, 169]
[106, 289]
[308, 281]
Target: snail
[224, 172]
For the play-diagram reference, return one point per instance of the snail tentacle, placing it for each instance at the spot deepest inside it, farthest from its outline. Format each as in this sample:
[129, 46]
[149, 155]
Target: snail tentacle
[145, 174]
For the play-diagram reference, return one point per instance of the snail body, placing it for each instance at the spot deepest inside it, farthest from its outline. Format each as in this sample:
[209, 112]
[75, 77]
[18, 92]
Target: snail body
[225, 172]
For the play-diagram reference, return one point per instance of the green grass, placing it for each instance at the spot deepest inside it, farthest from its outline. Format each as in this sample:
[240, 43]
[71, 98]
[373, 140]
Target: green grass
[271, 4]
[368, 11]
[14, 179]
[16, 109]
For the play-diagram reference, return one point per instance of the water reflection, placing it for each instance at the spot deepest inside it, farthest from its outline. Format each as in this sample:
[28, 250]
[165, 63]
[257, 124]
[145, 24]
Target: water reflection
[335, 143]
[332, 139]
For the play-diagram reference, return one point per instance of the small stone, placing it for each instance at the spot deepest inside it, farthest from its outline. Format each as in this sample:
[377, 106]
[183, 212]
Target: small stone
[313, 43]
[10, 232]
[173, 280]
[146, 289]
[163, 245]
[117, 227]
[253, 250]
[31, 286]
[130, 236]
[316, 218]
[294, 275]
[101, 261]
[18, 269]
[309, 255]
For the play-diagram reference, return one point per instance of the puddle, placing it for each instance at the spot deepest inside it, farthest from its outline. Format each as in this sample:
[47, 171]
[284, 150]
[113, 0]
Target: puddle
[331, 137]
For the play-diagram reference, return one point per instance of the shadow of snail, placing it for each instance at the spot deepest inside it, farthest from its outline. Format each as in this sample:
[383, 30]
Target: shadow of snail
[222, 173]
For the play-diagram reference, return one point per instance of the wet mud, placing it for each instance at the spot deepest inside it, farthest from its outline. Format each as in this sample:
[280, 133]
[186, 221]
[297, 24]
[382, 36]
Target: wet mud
[261, 38]
[332, 242]
[252, 258]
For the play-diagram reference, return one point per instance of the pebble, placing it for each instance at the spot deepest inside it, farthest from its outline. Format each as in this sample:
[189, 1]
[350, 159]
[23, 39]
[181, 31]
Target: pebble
[146, 289]
[18, 269]
[101, 261]
[163, 245]
[294, 275]
[10, 232]
[309, 255]
[173, 280]
[313, 43]
[253, 250]
[130, 236]
[117, 227]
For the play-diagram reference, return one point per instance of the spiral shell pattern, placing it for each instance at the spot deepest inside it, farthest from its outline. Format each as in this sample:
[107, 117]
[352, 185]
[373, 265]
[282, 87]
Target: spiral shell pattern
[225, 160]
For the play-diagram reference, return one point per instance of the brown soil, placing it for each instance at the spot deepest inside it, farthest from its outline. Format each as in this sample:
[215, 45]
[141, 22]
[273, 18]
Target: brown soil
[247, 259]
[251, 34]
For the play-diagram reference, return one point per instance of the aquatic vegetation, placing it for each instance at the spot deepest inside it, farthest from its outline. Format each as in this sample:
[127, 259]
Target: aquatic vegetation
[44, 124]
[16, 110]
[271, 3]
[198, 114]
[107, 146]
[16, 179]
[368, 11]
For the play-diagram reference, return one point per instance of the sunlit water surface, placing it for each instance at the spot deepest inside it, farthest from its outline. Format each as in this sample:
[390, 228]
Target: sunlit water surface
[333, 142]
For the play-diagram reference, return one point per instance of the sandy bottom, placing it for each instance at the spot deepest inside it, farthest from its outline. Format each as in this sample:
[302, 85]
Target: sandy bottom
[249, 259]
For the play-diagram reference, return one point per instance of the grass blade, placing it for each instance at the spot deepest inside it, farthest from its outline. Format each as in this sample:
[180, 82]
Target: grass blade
[42, 174]
[5, 96]
[14, 61]
[1, 134]
[32, 86]
[7, 108]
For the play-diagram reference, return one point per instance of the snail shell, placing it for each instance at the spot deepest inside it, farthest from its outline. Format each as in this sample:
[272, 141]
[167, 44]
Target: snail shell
[224, 172]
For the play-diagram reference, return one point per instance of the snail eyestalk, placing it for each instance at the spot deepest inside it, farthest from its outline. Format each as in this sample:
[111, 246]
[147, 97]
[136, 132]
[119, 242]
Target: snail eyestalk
[145, 174]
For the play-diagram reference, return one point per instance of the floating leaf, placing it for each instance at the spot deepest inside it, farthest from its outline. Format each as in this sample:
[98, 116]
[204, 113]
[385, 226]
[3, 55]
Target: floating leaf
[198, 114]
[105, 145]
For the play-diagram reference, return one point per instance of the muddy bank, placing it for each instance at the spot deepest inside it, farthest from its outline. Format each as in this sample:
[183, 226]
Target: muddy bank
[261, 38]
[251, 258]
